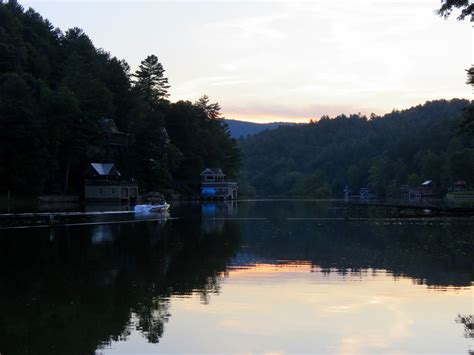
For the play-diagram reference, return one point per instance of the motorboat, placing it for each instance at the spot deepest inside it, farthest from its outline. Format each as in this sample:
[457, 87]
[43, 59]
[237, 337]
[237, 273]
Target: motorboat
[152, 208]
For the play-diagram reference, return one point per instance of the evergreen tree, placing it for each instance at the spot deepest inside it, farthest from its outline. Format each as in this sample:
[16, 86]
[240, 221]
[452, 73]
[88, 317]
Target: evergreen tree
[150, 80]
[211, 110]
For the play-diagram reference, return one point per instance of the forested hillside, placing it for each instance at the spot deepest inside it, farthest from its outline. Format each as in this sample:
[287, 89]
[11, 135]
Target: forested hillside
[243, 129]
[55, 88]
[402, 147]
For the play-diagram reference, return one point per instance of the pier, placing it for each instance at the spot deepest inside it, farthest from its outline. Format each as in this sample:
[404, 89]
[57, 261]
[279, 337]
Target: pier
[387, 210]
[54, 219]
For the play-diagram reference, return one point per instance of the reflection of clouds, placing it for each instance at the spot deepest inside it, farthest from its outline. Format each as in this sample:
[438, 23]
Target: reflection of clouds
[339, 309]
[376, 340]
[364, 311]
[295, 310]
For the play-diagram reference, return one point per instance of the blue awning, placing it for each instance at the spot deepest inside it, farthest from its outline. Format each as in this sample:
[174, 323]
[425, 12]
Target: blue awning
[208, 191]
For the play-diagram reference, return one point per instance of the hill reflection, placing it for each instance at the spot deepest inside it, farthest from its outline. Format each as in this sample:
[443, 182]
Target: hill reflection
[437, 253]
[434, 255]
[74, 290]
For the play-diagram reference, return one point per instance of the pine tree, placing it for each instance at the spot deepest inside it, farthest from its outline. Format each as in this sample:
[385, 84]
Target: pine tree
[150, 80]
[212, 111]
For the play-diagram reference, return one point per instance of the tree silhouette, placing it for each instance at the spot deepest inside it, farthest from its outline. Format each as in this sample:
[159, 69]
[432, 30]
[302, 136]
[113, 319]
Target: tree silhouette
[212, 110]
[467, 9]
[150, 80]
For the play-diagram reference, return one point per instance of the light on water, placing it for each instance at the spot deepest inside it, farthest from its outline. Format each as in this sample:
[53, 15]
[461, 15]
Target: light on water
[247, 277]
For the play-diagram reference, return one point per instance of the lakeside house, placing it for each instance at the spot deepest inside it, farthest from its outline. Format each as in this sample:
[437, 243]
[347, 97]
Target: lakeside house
[214, 185]
[410, 193]
[116, 138]
[104, 183]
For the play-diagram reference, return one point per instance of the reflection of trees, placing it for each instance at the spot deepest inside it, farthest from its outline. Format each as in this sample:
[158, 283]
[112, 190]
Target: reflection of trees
[151, 319]
[68, 294]
[432, 254]
[468, 322]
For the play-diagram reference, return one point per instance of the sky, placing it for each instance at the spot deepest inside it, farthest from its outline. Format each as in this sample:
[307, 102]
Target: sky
[267, 61]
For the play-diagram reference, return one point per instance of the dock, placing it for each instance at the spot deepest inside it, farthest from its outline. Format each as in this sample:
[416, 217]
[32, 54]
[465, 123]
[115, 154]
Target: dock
[387, 210]
[53, 219]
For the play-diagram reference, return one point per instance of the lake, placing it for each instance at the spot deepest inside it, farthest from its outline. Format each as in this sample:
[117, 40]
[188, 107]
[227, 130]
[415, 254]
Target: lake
[241, 277]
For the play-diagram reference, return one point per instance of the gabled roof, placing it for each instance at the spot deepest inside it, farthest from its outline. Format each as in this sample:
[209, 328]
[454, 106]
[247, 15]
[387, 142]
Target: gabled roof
[109, 125]
[105, 169]
[213, 171]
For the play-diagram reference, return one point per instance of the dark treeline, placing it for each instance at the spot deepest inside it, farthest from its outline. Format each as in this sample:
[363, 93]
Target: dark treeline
[401, 148]
[55, 88]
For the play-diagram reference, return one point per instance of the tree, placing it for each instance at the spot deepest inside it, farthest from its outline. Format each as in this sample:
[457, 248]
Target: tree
[466, 7]
[212, 111]
[150, 80]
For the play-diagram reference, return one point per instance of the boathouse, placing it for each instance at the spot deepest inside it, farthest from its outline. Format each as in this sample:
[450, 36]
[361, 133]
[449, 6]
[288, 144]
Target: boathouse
[427, 188]
[214, 185]
[104, 183]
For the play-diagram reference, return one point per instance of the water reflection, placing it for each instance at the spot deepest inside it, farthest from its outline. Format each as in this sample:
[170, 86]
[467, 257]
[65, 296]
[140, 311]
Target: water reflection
[77, 289]
[468, 322]
[434, 254]
[214, 215]
[89, 286]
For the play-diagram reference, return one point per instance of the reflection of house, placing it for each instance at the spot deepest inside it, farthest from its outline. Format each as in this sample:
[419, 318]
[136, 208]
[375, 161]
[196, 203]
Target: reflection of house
[215, 186]
[427, 188]
[103, 183]
[410, 193]
[116, 138]
[214, 215]
[366, 193]
[459, 186]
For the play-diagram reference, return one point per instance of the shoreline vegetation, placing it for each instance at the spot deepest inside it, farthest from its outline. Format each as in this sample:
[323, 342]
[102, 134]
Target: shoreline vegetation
[64, 103]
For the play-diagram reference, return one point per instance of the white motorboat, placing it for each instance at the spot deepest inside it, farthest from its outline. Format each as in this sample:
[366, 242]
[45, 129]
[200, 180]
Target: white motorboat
[152, 208]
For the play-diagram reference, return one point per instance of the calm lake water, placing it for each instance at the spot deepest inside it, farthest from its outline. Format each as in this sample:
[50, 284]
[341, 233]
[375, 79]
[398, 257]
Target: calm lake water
[248, 277]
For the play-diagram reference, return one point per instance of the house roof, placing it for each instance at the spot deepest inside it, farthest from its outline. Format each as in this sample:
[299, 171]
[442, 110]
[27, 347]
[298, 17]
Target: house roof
[105, 169]
[213, 171]
[109, 125]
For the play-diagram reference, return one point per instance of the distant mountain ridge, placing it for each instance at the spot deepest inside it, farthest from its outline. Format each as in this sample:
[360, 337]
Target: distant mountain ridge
[243, 128]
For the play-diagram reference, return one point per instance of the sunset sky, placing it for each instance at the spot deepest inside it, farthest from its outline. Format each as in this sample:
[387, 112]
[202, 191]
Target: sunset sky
[285, 61]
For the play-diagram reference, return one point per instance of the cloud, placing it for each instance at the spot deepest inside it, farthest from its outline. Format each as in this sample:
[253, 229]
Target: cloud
[198, 86]
[255, 27]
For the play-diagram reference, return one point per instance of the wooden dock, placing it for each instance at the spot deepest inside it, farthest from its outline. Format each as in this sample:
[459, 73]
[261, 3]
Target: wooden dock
[387, 210]
[53, 219]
